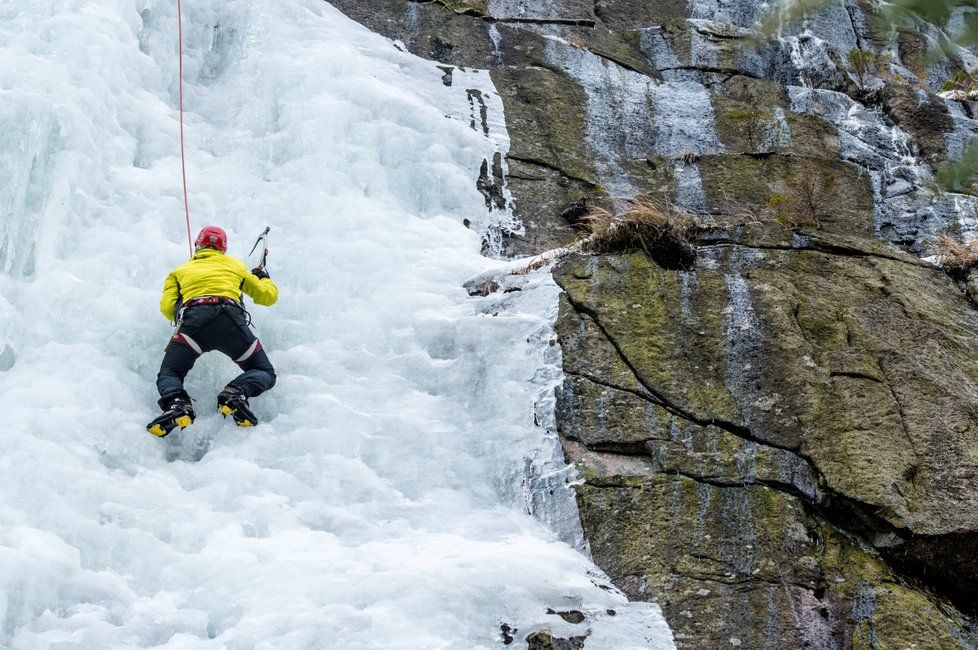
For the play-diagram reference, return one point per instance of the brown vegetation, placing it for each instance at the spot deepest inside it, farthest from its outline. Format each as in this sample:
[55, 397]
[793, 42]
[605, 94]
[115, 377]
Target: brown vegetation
[966, 82]
[807, 193]
[658, 228]
[686, 157]
[958, 258]
[753, 125]
[479, 8]
[866, 65]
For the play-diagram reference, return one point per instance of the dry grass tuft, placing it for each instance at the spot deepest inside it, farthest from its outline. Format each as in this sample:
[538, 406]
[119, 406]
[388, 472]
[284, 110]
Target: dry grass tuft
[577, 41]
[865, 65]
[958, 258]
[966, 82]
[478, 8]
[734, 214]
[809, 191]
[660, 229]
[686, 157]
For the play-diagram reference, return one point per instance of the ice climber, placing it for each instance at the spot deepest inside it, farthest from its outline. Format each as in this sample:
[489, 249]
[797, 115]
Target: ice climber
[205, 298]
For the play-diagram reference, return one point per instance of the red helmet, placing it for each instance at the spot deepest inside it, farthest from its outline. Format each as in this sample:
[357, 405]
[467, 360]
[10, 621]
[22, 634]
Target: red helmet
[214, 237]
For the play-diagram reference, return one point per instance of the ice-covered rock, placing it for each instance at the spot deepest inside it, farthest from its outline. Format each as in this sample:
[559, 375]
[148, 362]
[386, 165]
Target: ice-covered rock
[760, 404]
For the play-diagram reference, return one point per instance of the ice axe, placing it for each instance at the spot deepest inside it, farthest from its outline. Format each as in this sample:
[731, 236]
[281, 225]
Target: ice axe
[263, 240]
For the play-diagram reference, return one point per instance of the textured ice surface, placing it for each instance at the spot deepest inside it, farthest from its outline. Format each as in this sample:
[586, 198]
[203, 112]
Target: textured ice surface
[538, 9]
[965, 129]
[833, 22]
[619, 102]
[907, 212]
[735, 12]
[382, 503]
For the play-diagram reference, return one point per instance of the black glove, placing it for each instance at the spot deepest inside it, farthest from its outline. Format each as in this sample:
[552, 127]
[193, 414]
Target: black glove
[260, 272]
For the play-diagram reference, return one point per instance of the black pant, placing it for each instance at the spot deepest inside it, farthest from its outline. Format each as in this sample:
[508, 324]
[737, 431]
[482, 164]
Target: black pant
[209, 327]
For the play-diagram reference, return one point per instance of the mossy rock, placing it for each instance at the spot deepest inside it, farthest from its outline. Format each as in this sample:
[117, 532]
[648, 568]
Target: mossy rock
[549, 165]
[923, 115]
[708, 50]
[723, 562]
[758, 128]
[855, 359]
[788, 379]
[740, 182]
[478, 8]
[749, 563]
[429, 30]
[637, 14]
[653, 176]
[546, 113]
[913, 50]
[761, 93]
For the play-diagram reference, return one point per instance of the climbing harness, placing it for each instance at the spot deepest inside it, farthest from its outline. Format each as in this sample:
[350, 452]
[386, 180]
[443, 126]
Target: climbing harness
[183, 157]
[211, 300]
[214, 300]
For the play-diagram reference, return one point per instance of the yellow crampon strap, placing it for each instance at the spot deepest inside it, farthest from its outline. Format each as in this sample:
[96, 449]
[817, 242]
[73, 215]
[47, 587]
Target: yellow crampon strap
[226, 410]
[183, 422]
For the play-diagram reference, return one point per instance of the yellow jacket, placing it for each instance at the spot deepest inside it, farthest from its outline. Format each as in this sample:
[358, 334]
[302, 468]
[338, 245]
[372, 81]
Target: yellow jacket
[212, 273]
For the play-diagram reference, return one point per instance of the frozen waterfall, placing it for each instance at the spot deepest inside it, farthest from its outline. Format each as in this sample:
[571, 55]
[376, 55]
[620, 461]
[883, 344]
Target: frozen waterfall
[383, 501]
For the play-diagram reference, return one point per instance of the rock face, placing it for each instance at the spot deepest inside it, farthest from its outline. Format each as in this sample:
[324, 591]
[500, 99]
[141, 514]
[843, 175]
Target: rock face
[781, 435]
[779, 446]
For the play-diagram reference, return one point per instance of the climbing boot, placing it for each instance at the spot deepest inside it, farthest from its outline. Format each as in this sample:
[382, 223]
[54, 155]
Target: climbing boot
[179, 414]
[231, 401]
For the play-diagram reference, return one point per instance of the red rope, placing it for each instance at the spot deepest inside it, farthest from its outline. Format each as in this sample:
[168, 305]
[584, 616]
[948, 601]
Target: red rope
[183, 157]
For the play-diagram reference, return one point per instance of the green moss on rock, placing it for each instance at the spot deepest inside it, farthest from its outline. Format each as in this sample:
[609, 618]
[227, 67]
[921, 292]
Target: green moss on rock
[737, 182]
[788, 376]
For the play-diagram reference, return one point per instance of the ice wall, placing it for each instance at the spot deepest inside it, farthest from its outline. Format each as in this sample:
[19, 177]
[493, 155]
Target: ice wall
[382, 503]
